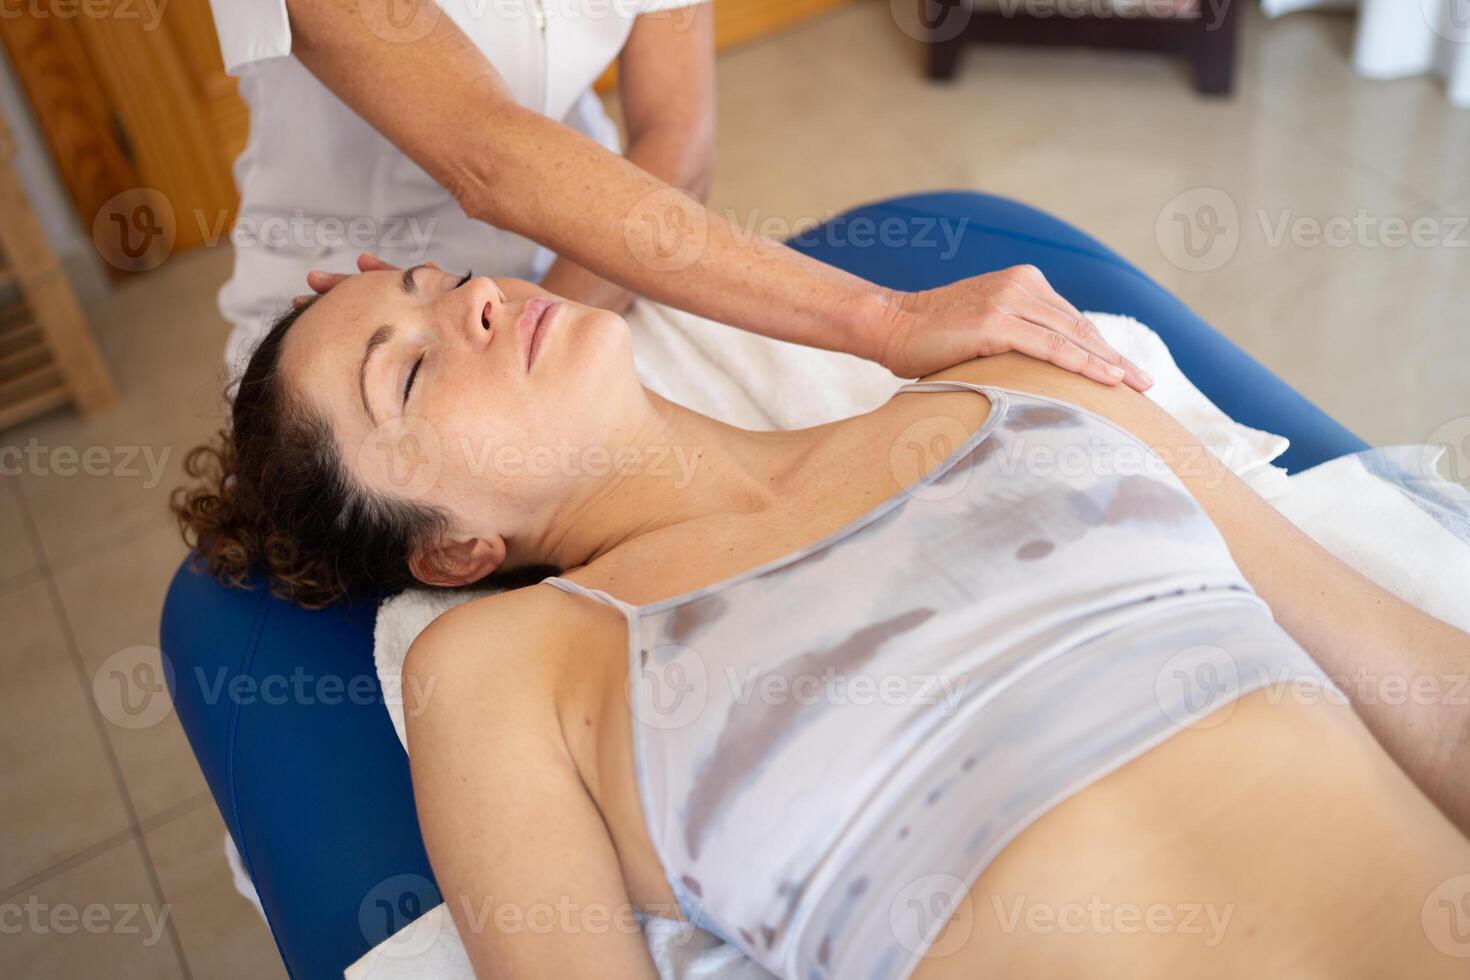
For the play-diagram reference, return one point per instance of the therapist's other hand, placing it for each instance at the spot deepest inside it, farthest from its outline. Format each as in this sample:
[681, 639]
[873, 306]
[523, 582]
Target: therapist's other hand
[1014, 309]
[566, 279]
[320, 281]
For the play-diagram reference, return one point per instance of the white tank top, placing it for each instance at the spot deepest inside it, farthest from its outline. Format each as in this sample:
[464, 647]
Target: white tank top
[832, 746]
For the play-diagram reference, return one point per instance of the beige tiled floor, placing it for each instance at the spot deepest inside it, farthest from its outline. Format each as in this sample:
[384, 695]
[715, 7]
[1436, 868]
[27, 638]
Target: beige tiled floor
[829, 115]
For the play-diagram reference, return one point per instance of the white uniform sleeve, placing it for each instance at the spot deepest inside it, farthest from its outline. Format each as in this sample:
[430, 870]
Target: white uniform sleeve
[250, 31]
[654, 6]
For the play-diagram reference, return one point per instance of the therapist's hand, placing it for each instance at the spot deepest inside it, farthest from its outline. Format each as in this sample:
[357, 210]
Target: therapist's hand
[320, 281]
[1014, 309]
[566, 279]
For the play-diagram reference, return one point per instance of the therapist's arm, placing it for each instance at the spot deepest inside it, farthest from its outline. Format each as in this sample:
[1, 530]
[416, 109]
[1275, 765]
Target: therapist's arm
[666, 84]
[433, 94]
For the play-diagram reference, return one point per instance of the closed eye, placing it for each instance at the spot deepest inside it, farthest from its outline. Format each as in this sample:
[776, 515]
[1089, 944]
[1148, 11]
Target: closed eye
[408, 385]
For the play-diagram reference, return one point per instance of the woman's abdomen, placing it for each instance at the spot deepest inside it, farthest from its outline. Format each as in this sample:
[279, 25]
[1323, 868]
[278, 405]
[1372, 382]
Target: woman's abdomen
[1273, 838]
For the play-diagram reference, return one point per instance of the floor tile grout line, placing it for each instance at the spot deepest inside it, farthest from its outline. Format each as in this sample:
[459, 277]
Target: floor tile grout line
[73, 860]
[99, 724]
[97, 848]
[127, 534]
[177, 811]
[18, 581]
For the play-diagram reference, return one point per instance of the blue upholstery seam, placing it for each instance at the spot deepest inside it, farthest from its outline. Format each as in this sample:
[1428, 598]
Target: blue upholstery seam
[262, 610]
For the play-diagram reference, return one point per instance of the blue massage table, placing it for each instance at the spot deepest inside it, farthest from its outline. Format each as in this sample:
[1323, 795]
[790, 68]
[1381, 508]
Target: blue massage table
[315, 788]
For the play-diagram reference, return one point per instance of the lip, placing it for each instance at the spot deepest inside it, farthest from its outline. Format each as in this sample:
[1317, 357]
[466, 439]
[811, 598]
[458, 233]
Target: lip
[535, 318]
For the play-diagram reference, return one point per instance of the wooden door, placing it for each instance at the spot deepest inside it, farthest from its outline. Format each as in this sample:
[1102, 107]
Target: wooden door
[141, 119]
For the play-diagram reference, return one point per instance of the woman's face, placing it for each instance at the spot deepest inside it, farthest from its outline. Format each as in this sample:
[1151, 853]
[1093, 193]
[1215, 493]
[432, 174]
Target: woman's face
[478, 396]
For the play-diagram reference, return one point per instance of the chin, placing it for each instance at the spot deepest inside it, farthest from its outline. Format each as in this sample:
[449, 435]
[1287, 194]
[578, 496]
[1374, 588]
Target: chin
[603, 341]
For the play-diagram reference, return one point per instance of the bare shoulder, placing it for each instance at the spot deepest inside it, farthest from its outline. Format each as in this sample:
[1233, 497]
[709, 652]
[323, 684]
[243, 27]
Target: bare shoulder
[1119, 404]
[502, 651]
[1238, 512]
[536, 615]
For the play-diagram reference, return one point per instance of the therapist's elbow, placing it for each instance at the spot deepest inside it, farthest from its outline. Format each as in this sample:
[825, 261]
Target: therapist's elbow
[493, 178]
[480, 192]
[699, 159]
[702, 176]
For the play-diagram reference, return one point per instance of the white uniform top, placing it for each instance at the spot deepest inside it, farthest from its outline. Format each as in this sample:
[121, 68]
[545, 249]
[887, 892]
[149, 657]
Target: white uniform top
[318, 184]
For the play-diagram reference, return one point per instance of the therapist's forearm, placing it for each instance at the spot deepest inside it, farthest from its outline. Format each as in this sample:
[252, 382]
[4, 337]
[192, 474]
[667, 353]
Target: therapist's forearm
[675, 155]
[547, 182]
[419, 80]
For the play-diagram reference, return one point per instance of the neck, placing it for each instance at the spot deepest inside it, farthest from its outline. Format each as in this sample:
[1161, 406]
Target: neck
[669, 467]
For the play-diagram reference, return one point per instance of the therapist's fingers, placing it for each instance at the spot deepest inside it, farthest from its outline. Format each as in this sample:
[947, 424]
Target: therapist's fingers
[1048, 344]
[1051, 311]
[1136, 377]
[320, 281]
[368, 262]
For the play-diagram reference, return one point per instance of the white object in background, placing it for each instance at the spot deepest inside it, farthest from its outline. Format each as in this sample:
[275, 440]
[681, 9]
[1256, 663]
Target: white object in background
[1409, 37]
[1398, 38]
[1275, 8]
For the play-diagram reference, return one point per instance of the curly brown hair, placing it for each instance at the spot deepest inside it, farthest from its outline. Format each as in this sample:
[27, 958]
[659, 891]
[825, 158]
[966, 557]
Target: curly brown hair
[271, 495]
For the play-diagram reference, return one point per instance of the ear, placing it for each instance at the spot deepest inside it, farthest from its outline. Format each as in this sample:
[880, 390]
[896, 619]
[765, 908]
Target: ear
[452, 563]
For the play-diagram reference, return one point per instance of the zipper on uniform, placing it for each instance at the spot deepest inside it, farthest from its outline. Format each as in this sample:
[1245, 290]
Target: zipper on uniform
[538, 10]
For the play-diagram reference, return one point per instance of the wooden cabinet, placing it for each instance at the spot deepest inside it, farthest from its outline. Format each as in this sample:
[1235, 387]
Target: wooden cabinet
[1205, 33]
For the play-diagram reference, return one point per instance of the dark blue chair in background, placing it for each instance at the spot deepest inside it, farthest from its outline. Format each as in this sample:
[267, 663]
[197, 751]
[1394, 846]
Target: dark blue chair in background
[307, 771]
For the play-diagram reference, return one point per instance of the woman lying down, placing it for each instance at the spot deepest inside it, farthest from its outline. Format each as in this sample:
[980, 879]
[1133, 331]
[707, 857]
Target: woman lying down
[941, 690]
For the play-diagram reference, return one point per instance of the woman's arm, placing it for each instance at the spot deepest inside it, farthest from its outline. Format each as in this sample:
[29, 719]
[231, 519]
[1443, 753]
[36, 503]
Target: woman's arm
[1405, 671]
[519, 848]
[427, 88]
[666, 83]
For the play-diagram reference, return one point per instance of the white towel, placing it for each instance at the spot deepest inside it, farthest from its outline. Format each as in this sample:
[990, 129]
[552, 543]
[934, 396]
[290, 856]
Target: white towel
[1389, 514]
[758, 383]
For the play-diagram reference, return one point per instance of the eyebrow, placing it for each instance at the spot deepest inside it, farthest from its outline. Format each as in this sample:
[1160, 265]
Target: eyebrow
[408, 284]
[380, 337]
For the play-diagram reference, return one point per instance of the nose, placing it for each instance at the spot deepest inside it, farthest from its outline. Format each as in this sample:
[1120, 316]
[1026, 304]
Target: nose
[478, 309]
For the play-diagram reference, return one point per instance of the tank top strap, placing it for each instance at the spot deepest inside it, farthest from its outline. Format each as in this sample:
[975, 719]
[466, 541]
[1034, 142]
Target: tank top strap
[945, 385]
[596, 595]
